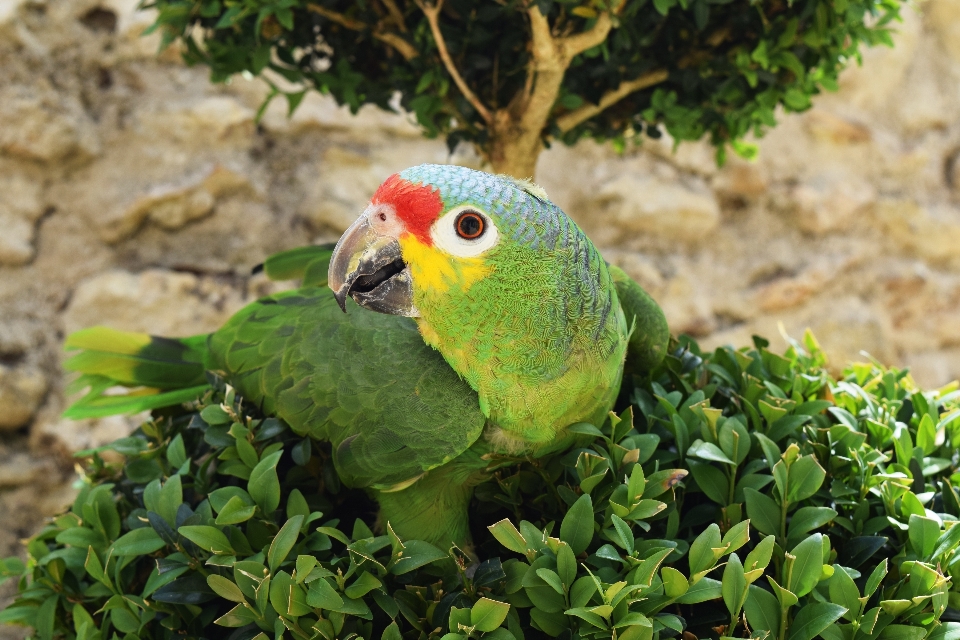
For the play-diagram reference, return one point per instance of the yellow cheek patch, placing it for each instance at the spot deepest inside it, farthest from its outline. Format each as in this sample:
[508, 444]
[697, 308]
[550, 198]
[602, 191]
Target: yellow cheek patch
[436, 271]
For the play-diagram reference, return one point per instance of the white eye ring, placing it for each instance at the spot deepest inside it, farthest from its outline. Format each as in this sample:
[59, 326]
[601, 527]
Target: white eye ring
[445, 235]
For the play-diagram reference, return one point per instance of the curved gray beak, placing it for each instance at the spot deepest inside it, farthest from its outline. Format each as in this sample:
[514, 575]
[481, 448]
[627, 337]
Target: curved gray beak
[368, 267]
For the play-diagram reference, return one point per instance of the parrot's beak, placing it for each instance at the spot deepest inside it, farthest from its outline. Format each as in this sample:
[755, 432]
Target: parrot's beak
[368, 267]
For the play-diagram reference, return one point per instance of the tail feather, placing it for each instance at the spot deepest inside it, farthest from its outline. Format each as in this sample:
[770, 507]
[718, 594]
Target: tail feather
[157, 372]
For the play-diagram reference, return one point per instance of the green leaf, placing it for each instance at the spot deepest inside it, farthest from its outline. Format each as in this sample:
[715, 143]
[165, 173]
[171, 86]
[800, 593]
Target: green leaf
[624, 536]
[876, 577]
[362, 586]
[551, 578]
[807, 566]
[508, 535]
[733, 585]
[235, 511]
[927, 435]
[226, 589]
[902, 631]
[702, 556]
[487, 614]
[708, 451]
[946, 631]
[264, 485]
[814, 618]
[946, 542]
[176, 452]
[214, 415]
[323, 596]
[95, 568]
[577, 526]
[705, 589]
[283, 542]
[674, 583]
[170, 499]
[924, 533]
[138, 542]
[566, 565]
[206, 537]
[711, 481]
[760, 556]
[805, 477]
[809, 518]
[763, 512]
[736, 536]
[843, 591]
[762, 610]
[415, 554]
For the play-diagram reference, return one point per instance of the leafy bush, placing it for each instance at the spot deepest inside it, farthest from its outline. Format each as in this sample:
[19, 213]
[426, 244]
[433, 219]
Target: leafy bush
[510, 76]
[737, 494]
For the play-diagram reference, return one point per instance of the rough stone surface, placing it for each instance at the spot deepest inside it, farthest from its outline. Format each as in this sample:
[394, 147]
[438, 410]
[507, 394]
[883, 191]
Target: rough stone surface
[133, 193]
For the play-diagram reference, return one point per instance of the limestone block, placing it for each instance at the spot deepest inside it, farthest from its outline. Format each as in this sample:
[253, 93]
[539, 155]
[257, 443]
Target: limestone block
[69, 436]
[928, 97]
[784, 293]
[829, 127]
[20, 208]
[317, 111]
[21, 469]
[155, 301]
[829, 202]
[339, 185]
[8, 10]
[673, 211]
[686, 305]
[943, 18]
[740, 179]
[172, 205]
[21, 392]
[931, 234]
[37, 123]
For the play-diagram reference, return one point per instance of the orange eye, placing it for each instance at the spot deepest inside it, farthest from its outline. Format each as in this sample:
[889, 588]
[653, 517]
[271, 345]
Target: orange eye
[470, 225]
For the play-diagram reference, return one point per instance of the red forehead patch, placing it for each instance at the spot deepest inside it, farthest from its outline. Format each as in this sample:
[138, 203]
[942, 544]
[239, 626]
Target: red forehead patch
[417, 205]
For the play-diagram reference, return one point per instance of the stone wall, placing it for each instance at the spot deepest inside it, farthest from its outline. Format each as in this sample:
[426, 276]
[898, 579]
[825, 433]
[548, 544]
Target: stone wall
[134, 193]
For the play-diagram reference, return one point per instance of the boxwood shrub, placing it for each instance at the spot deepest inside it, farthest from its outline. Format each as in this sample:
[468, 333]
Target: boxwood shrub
[734, 494]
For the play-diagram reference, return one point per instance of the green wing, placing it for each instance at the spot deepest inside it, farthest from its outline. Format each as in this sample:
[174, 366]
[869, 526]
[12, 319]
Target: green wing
[307, 264]
[648, 342]
[366, 382]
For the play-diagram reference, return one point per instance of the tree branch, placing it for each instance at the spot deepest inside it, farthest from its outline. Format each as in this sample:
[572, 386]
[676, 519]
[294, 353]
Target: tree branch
[568, 121]
[404, 48]
[580, 42]
[433, 17]
[396, 14]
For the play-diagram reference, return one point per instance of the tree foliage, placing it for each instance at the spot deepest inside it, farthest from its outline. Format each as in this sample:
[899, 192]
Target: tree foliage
[512, 75]
[738, 493]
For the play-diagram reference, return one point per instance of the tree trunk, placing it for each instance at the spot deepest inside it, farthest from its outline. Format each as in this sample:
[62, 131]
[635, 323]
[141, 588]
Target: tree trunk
[512, 150]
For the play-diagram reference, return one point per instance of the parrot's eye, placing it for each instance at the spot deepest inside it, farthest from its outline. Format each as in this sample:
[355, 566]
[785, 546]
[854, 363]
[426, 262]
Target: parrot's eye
[470, 225]
[465, 231]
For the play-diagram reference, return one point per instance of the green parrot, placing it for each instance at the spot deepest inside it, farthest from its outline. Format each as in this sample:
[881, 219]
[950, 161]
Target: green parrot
[480, 323]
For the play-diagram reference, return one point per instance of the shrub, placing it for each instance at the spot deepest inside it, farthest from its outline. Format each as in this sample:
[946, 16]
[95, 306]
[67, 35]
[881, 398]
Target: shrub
[511, 76]
[737, 494]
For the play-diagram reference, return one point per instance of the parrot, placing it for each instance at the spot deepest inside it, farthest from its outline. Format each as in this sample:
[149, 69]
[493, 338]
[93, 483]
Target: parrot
[463, 316]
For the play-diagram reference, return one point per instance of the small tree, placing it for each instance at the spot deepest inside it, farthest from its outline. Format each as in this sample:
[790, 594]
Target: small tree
[510, 76]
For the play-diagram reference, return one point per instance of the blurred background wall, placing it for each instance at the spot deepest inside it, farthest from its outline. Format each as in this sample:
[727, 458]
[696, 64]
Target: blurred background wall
[133, 193]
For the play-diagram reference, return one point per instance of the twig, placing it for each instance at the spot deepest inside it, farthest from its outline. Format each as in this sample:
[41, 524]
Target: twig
[568, 121]
[396, 14]
[404, 48]
[432, 12]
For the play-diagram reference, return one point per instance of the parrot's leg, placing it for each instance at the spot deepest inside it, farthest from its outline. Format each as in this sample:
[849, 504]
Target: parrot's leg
[434, 509]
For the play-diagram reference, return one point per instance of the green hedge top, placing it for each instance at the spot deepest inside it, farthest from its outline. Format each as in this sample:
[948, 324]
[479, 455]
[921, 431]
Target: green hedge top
[737, 494]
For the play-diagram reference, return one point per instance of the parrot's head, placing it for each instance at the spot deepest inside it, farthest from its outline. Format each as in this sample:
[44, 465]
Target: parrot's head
[429, 230]
[500, 280]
